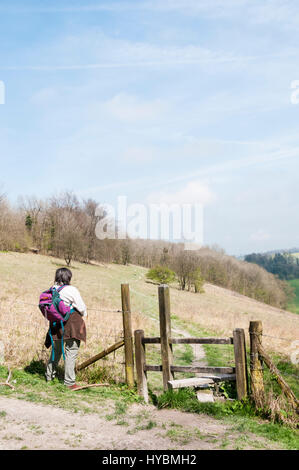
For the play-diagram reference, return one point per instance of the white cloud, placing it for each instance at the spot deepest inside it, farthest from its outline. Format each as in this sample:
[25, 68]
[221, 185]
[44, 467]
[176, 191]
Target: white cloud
[131, 108]
[195, 192]
[140, 154]
[45, 96]
[260, 235]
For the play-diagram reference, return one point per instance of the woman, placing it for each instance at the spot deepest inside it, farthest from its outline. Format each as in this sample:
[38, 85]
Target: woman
[74, 330]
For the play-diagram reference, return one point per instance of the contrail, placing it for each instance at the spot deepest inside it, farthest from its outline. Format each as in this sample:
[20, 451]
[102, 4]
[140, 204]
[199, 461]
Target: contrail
[161, 63]
[231, 165]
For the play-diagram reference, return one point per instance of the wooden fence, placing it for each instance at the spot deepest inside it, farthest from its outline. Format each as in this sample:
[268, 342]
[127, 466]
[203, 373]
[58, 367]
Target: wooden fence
[209, 375]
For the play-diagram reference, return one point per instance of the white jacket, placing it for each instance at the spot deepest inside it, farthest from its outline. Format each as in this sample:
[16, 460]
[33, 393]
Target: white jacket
[71, 295]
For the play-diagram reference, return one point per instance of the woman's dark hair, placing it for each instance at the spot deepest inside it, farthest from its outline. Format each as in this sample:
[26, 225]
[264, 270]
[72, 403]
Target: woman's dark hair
[63, 276]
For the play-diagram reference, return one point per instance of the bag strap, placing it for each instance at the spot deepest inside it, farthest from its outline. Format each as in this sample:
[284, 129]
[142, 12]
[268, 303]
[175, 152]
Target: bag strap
[52, 342]
[60, 288]
[62, 344]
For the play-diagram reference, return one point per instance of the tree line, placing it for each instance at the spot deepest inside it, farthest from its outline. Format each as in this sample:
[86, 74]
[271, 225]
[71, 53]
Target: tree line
[283, 265]
[64, 226]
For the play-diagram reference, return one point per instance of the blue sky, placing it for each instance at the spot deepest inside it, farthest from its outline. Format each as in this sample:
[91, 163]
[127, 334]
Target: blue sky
[182, 99]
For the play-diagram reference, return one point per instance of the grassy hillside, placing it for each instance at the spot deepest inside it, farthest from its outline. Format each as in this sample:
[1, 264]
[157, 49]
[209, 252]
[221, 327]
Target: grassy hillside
[294, 304]
[217, 311]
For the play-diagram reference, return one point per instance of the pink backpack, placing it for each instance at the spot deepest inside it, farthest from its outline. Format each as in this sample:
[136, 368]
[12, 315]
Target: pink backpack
[54, 309]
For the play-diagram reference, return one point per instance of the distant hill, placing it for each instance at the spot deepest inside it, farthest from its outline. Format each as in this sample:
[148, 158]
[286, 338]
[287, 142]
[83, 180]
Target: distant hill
[283, 264]
[291, 251]
[284, 251]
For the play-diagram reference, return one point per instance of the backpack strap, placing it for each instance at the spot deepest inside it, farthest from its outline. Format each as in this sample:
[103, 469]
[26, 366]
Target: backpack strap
[60, 288]
[52, 342]
[62, 344]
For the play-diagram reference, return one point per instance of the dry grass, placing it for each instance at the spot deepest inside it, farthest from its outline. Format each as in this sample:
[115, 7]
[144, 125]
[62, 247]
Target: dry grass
[222, 310]
[23, 329]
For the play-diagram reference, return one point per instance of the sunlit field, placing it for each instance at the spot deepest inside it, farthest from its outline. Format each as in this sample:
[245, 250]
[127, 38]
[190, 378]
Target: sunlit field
[294, 304]
[23, 329]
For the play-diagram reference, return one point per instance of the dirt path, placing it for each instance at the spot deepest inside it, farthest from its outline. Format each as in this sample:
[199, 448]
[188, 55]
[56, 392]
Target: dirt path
[198, 350]
[26, 425]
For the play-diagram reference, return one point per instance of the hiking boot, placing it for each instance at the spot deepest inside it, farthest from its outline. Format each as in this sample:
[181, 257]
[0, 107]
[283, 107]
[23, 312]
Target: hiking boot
[73, 387]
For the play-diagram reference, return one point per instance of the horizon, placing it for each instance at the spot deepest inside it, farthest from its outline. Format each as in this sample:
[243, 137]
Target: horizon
[180, 101]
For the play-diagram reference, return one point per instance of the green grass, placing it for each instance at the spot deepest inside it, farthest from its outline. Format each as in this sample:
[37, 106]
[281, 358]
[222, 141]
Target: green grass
[242, 414]
[241, 417]
[289, 371]
[293, 305]
[31, 386]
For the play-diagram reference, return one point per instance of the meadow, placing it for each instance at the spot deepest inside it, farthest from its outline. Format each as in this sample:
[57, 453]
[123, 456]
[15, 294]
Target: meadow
[216, 311]
[294, 303]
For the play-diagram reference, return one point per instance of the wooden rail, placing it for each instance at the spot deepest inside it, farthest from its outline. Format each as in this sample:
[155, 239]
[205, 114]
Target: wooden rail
[99, 356]
[193, 369]
[157, 340]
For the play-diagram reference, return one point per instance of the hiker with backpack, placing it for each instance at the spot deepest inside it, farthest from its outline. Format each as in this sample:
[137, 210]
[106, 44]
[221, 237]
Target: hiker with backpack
[63, 306]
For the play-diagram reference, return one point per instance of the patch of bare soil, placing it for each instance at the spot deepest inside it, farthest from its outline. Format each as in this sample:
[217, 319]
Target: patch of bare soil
[26, 425]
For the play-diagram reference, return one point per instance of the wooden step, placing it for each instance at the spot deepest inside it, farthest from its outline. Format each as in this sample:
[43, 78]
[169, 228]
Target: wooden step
[218, 377]
[204, 381]
[204, 397]
[192, 382]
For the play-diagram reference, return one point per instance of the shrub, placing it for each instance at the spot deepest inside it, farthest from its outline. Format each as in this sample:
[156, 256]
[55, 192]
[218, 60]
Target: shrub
[161, 274]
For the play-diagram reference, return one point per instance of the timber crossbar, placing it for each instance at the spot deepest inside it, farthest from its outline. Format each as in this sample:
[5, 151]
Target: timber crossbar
[101, 355]
[157, 340]
[194, 369]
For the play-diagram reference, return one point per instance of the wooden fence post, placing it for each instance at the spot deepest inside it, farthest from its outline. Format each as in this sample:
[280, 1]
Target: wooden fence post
[128, 335]
[256, 365]
[240, 363]
[140, 363]
[165, 334]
